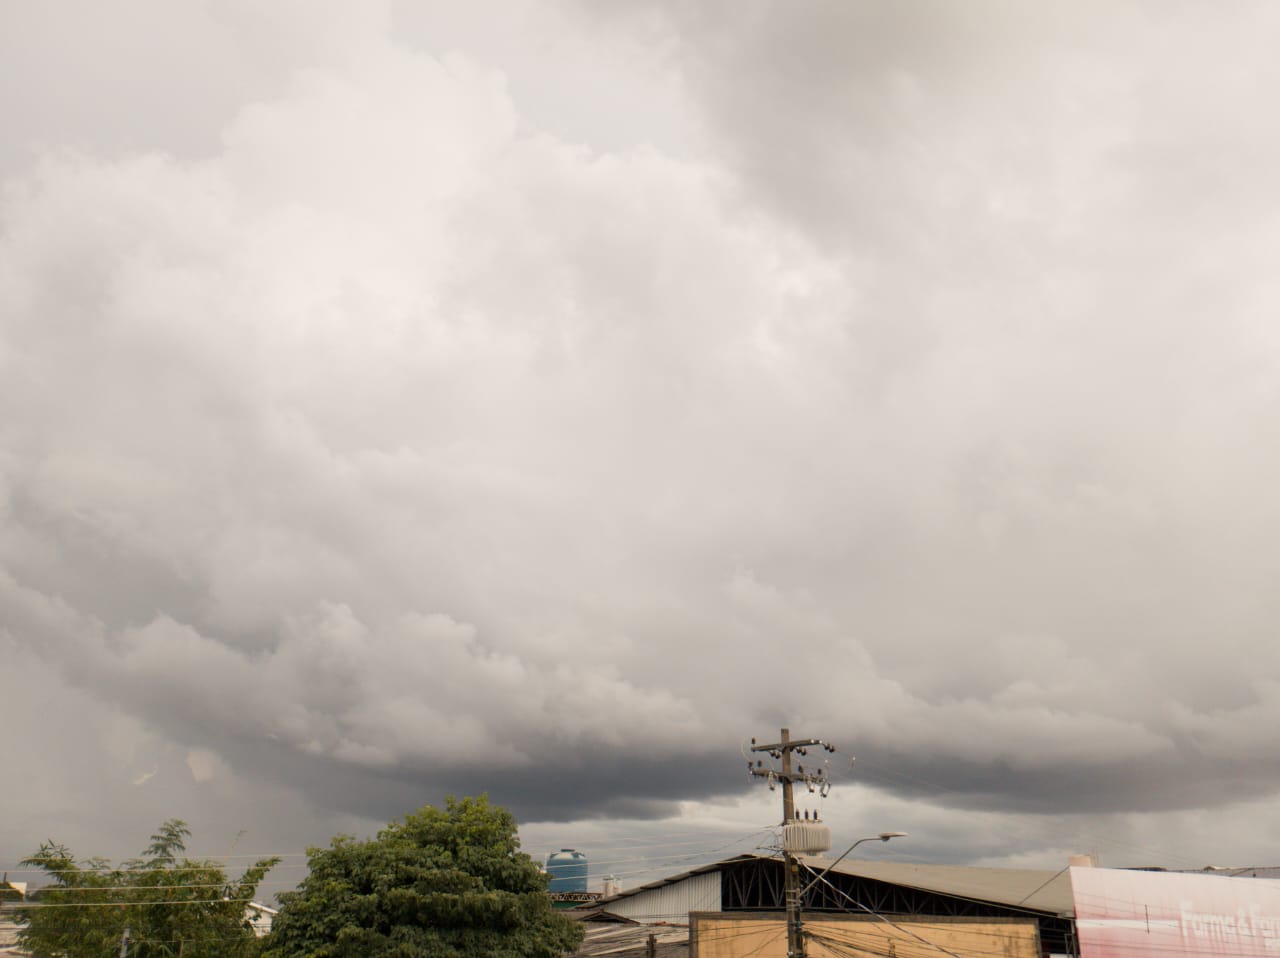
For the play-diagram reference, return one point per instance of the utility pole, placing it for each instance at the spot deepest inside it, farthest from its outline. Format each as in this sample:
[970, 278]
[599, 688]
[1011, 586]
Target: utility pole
[124, 943]
[815, 779]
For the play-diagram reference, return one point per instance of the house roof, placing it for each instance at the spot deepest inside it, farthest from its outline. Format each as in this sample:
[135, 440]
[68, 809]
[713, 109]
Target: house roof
[1033, 889]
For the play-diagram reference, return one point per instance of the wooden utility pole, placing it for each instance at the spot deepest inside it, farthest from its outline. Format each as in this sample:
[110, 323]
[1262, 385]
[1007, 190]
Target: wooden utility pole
[782, 750]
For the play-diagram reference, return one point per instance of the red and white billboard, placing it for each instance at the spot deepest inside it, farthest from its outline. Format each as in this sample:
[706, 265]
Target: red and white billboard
[1127, 914]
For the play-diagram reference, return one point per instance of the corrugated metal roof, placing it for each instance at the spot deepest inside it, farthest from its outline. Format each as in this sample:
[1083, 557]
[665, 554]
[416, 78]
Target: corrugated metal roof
[9, 939]
[701, 869]
[1044, 891]
[671, 901]
[630, 941]
[1034, 889]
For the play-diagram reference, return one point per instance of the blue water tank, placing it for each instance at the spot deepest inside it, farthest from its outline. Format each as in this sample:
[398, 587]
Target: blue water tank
[568, 870]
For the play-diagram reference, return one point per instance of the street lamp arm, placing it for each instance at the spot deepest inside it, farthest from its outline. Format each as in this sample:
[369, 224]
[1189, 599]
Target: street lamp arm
[882, 837]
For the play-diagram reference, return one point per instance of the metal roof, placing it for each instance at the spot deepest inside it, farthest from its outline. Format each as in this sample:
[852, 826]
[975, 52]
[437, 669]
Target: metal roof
[9, 939]
[700, 870]
[1228, 871]
[631, 941]
[1033, 889]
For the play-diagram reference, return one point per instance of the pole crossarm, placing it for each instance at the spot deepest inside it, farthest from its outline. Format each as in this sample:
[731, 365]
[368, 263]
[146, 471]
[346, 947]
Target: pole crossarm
[803, 778]
[794, 743]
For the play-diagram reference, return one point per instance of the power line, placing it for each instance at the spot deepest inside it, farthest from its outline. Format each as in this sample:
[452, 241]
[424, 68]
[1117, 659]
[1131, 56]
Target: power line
[130, 904]
[99, 889]
[875, 914]
[296, 859]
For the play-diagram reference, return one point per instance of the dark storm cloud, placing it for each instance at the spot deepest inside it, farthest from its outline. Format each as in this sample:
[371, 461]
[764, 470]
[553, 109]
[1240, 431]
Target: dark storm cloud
[1051, 220]
[1192, 780]
[364, 442]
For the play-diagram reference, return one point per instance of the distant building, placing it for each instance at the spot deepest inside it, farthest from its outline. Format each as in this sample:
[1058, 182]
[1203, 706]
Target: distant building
[260, 917]
[9, 935]
[255, 913]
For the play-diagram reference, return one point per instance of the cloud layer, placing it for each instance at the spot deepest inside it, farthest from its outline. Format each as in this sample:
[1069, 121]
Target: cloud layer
[367, 436]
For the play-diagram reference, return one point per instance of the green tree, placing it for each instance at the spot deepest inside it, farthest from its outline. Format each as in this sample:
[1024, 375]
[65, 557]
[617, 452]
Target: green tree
[444, 883]
[173, 906]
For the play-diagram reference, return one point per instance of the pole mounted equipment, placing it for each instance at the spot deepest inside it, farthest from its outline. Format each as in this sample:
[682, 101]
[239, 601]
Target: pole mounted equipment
[799, 837]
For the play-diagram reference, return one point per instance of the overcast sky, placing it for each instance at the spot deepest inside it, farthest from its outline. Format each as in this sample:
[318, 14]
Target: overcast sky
[401, 399]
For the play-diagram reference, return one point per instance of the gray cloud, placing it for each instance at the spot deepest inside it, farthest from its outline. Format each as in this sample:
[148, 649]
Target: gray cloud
[371, 433]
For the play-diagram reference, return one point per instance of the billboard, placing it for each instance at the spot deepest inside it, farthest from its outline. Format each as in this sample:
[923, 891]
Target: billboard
[1129, 914]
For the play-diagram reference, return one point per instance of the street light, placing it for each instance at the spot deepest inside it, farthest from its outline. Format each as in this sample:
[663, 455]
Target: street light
[882, 837]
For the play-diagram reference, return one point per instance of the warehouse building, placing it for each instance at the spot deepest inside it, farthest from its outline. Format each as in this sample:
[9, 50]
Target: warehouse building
[1010, 900]
[734, 909]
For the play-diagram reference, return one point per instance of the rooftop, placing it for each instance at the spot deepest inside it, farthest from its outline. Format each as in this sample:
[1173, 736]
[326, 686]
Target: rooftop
[1035, 889]
[630, 940]
[1039, 890]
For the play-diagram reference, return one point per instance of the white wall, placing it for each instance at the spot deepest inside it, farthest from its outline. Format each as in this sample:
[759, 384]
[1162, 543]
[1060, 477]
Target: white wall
[671, 902]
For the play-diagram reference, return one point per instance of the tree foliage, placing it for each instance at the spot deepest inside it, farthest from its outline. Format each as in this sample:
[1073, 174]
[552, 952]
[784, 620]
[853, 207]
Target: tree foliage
[172, 905]
[444, 883]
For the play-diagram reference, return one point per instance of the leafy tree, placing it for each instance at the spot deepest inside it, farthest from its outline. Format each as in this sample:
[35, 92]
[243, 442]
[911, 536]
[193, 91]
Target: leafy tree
[173, 906]
[444, 883]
